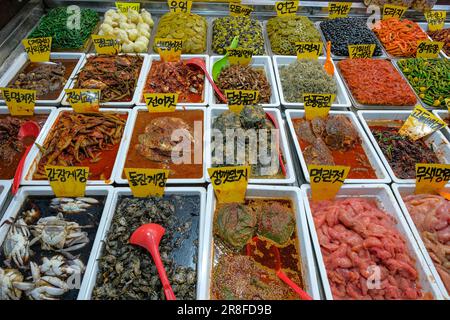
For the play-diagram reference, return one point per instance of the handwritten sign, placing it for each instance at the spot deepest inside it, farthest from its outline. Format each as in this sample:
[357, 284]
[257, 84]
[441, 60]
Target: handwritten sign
[241, 56]
[421, 123]
[308, 50]
[67, 181]
[393, 11]
[286, 8]
[125, 6]
[161, 102]
[38, 49]
[84, 100]
[238, 99]
[338, 9]
[435, 19]
[361, 50]
[106, 44]
[169, 49]
[428, 49]
[147, 182]
[326, 180]
[317, 104]
[229, 183]
[431, 177]
[20, 102]
[180, 5]
[239, 10]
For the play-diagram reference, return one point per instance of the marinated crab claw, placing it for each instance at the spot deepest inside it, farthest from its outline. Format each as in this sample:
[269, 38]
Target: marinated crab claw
[69, 205]
[8, 280]
[17, 245]
[31, 216]
[61, 267]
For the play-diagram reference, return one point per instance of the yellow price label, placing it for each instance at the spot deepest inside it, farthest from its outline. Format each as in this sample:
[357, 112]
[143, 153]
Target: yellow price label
[239, 10]
[147, 182]
[428, 49]
[393, 11]
[67, 181]
[317, 105]
[161, 102]
[169, 49]
[241, 56]
[338, 9]
[180, 5]
[20, 102]
[84, 100]
[308, 50]
[123, 7]
[106, 44]
[229, 183]
[435, 19]
[238, 99]
[326, 180]
[361, 50]
[286, 8]
[420, 123]
[38, 49]
[431, 177]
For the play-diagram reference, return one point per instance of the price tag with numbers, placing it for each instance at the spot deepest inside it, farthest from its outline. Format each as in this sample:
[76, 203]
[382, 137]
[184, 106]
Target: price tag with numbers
[431, 177]
[180, 5]
[317, 105]
[338, 9]
[393, 11]
[67, 181]
[326, 181]
[38, 49]
[20, 102]
[361, 50]
[428, 49]
[241, 56]
[421, 123]
[147, 182]
[239, 10]
[309, 50]
[84, 100]
[161, 102]
[238, 99]
[286, 8]
[229, 183]
[435, 19]
[125, 6]
[169, 49]
[106, 44]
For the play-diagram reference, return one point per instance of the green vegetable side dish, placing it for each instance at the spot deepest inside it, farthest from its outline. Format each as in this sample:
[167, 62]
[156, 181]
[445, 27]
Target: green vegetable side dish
[305, 76]
[430, 79]
[189, 27]
[284, 32]
[249, 31]
[55, 24]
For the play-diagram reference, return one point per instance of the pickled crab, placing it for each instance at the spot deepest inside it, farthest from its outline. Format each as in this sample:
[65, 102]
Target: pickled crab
[8, 280]
[61, 267]
[70, 205]
[17, 245]
[55, 233]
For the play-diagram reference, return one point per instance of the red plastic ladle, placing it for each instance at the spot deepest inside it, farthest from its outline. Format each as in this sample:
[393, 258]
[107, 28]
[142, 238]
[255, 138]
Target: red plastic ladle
[27, 129]
[149, 236]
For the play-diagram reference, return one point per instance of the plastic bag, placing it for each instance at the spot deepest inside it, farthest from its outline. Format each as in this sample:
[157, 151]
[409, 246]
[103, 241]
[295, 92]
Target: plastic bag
[404, 3]
[423, 5]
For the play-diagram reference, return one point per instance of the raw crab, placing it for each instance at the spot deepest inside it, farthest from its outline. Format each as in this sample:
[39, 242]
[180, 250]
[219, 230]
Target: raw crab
[17, 245]
[69, 205]
[57, 234]
[61, 267]
[8, 280]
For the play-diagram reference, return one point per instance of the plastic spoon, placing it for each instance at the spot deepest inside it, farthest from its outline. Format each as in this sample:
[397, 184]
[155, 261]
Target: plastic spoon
[27, 129]
[328, 66]
[221, 63]
[280, 158]
[201, 64]
[148, 236]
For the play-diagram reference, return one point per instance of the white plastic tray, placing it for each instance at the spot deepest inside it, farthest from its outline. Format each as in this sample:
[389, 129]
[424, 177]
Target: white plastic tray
[35, 155]
[115, 104]
[156, 57]
[97, 250]
[22, 59]
[443, 114]
[440, 145]
[23, 193]
[408, 189]
[261, 62]
[383, 194]
[377, 165]
[341, 101]
[267, 192]
[5, 186]
[214, 112]
[128, 134]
